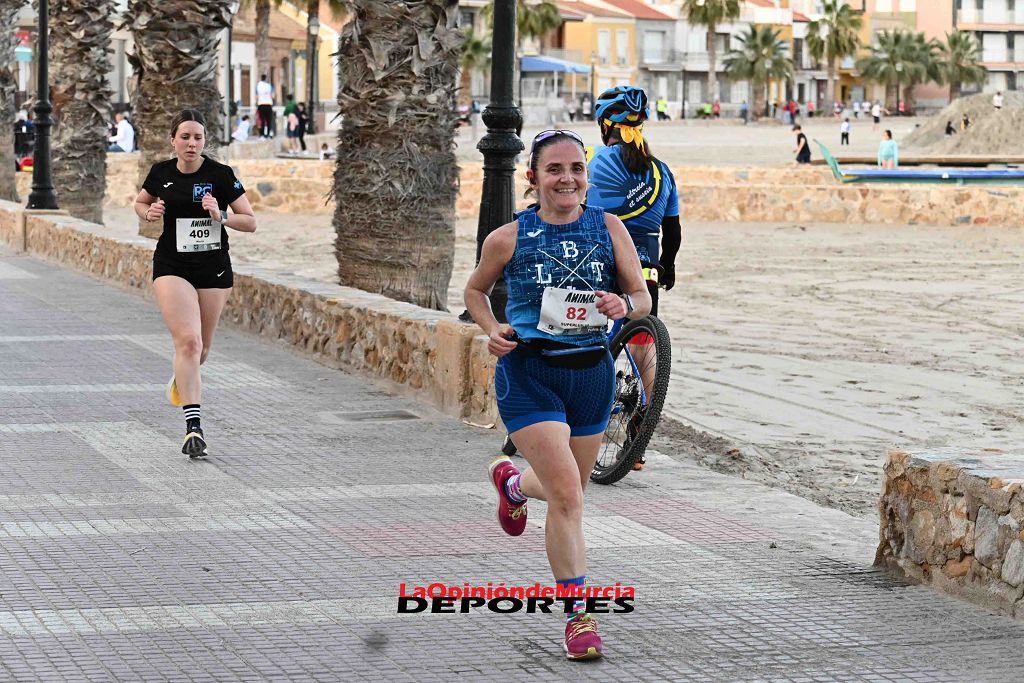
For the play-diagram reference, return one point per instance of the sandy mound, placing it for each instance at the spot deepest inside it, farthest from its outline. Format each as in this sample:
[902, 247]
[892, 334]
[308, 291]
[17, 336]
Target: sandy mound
[993, 132]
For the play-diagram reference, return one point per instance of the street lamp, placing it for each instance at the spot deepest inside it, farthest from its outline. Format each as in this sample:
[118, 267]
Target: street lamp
[501, 144]
[42, 195]
[314, 33]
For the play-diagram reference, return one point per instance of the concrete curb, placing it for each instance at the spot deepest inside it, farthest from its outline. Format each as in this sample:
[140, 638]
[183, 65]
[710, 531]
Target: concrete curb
[440, 359]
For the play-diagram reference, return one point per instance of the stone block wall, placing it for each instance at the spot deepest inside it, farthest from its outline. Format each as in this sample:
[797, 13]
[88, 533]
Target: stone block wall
[954, 519]
[430, 353]
[706, 194]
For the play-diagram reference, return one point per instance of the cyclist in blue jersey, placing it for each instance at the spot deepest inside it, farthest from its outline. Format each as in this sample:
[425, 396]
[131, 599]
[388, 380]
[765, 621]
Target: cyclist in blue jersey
[626, 180]
[554, 378]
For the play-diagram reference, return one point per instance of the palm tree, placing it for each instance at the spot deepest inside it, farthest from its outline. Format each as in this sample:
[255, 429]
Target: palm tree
[175, 67]
[476, 56]
[835, 37]
[533, 20]
[396, 177]
[760, 57]
[80, 31]
[926, 53]
[262, 32]
[901, 58]
[711, 13]
[959, 62]
[8, 84]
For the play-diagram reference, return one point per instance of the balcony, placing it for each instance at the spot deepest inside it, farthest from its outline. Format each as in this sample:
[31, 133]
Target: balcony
[990, 16]
[1003, 56]
[778, 16]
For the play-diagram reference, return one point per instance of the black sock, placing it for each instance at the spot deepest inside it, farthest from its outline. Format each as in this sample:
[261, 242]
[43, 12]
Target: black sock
[192, 415]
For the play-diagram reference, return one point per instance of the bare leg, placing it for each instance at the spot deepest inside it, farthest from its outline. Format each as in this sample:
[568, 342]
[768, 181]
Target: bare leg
[179, 305]
[211, 305]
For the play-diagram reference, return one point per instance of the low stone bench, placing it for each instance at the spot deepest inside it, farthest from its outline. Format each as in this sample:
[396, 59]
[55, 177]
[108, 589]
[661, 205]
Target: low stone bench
[954, 518]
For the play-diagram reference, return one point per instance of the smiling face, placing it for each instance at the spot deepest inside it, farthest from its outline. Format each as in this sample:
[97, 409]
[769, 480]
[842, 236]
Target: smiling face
[189, 139]
[560, 178]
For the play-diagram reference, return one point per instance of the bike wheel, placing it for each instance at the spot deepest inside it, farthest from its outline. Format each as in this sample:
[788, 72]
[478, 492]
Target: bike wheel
[637, 408]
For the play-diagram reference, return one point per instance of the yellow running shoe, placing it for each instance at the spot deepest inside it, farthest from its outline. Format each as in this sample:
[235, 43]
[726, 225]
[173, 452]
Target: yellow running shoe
[173, 397]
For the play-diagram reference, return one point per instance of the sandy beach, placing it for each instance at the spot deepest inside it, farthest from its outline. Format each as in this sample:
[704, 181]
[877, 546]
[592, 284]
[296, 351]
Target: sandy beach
[801, 352]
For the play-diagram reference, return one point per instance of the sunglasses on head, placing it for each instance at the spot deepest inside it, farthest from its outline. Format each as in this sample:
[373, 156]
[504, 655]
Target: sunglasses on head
[545, 134]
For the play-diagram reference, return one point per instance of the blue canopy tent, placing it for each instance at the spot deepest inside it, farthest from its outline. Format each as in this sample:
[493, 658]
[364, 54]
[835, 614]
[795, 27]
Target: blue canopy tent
[551, 65]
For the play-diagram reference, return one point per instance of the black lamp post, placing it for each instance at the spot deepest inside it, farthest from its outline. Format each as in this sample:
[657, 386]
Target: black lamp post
[311, 75]
[501, 145]
[42, 195]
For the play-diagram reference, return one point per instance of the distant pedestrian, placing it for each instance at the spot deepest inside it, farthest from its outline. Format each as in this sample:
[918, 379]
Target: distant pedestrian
[901, 108]
[837, 109]
[856, 109]
[950, 130]
[265, 105]
[124, 139]
[300, 111]
[965, 121]
[876, 114]
[241, 133]
[803, 150]
[888, 153]
[844, 132]
[745, 112]
[716, 109]
[811, 108]
[997, 100]
[662, 108]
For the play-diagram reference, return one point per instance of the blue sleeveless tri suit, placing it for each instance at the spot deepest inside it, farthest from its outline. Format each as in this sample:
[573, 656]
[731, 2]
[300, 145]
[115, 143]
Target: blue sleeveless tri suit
[578, 255]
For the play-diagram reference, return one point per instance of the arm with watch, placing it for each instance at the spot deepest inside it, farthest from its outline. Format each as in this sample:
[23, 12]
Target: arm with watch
[241, 218]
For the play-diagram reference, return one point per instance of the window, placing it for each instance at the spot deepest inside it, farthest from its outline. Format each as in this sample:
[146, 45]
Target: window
[908, 5]
[466, 22]
[604, 45]
[622, 47]
[654, 46]
[883, 5]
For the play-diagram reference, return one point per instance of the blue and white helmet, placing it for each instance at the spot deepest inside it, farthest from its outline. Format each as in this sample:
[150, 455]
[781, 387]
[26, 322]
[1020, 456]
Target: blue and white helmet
[623, 104]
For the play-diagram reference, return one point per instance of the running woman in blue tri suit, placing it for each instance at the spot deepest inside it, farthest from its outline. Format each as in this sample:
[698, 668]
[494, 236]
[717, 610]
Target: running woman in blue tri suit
[554, 378]
[626, 180]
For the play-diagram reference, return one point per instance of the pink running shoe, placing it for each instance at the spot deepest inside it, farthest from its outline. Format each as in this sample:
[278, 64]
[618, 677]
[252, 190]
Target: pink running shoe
[581, 639]
[511, 517]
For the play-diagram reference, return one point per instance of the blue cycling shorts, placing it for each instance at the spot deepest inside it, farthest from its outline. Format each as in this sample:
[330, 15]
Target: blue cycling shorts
[530, 391]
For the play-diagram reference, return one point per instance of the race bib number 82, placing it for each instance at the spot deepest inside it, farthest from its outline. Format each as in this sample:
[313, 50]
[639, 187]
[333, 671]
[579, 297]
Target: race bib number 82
[569, 311]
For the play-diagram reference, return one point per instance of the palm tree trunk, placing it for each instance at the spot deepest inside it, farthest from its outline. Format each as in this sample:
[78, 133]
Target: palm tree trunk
[80, 31]
[395, 179]
[175, 65]
[909, 99]
[712, 76]
[263, 38]
[759, 96]
[954, 90]
[8, 84]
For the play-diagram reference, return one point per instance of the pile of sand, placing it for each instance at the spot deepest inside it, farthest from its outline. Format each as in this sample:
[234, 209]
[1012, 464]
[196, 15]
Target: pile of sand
[992, 132]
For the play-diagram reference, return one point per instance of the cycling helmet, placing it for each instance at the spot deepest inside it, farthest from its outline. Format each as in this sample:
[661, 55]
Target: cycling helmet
[623, 104]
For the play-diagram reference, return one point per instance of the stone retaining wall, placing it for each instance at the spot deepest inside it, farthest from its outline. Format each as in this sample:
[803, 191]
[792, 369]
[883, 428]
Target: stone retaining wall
[442, 360]
[706, 194]
[954, 519]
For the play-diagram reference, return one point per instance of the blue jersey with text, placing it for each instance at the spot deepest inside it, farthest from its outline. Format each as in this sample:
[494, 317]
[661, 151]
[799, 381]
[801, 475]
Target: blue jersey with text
[640, 200]
[578, 255]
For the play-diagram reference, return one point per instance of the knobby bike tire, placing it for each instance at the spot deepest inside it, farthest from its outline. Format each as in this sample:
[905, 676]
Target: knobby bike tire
[634, 445]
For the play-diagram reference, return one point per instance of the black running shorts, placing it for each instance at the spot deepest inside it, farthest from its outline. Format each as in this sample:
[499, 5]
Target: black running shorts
[214, 273]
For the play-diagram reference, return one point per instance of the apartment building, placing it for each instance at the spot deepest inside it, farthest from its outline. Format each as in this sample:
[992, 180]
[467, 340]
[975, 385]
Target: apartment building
[999, 27]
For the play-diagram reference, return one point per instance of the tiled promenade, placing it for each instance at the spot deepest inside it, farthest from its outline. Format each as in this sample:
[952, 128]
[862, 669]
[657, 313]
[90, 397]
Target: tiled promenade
[279, 556]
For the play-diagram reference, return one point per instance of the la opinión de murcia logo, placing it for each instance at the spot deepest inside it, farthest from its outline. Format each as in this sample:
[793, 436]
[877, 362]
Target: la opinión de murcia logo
[441, 598]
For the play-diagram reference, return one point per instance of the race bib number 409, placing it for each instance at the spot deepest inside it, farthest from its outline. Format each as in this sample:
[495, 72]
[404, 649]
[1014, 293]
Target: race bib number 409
[197, 234]
[569, 311]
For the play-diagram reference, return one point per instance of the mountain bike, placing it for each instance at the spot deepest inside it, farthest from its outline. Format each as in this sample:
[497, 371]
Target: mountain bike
[642, 352]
